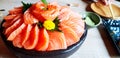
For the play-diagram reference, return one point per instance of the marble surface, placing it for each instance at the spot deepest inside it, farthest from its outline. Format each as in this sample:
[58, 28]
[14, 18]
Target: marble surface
[93, 46]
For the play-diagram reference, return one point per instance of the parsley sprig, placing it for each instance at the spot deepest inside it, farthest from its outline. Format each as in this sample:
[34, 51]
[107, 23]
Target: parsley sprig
[45, 3]
[57, 21]
[26, 6]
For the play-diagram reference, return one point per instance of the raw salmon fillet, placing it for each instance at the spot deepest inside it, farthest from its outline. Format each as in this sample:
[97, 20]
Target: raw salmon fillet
[16, 10]
[32, 39]
[43, 40]
[17, 42]
[21, 38]
[50, 14]
[29, 18]
[13, 34]
[9, 17]
[72, 20]
[8, 23]
[13, 27]
[70, 35]
[57, 41]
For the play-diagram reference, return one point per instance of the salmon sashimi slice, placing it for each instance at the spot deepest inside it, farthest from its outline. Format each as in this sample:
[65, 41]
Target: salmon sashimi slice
[13, 27]
[22, 37]
[77, 28]
[29, 18]
[33, 39]
[65, 12]
[9, 17]
[10, 22]
[27, 33]
[16, 32]
[77, 19]
[50, 13]
[35, 11]
[70, 35]
[78, 25]
[17, 42]
[43, 40]
[74, 21]
[57, 41]
[16, 10]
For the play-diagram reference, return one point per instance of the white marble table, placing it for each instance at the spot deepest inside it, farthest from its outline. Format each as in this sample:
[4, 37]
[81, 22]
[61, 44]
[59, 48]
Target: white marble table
[93, 47]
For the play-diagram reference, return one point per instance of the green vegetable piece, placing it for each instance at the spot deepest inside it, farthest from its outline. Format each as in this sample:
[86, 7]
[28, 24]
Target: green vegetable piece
[57, 21]
[40, 24]
[89, 21]
[45, 2]
[26, 6]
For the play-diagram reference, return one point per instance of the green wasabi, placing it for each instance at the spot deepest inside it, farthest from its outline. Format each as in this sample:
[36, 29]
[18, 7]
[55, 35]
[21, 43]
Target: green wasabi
[89, 21]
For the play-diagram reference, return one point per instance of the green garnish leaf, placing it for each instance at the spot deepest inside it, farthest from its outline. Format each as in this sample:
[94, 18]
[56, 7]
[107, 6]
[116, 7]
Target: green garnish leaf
[57, 21]
[26, 6]
[40, 24]
[45, 2]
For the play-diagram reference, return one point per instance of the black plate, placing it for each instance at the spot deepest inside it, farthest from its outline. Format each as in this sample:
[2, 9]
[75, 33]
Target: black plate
[63, 53]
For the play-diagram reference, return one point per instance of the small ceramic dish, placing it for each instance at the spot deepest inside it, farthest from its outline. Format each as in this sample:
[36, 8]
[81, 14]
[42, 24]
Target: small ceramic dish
[91, 19]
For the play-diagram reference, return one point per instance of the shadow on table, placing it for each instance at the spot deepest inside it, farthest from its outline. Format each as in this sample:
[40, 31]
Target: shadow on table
[108, 42]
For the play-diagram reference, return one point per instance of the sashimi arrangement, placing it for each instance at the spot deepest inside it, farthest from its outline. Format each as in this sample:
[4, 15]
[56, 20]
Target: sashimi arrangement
[43, 26]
